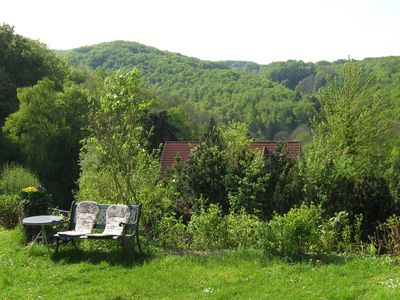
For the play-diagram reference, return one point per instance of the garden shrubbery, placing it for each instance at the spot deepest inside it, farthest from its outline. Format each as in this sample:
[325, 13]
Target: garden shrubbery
[295, 233]
[11, 210]
[13, 178]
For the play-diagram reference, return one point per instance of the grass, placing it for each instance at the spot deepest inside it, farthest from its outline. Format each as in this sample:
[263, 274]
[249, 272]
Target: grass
[95, 273]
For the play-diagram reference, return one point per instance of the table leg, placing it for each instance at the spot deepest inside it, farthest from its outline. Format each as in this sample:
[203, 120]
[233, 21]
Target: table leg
[42, 235]
[45, 239]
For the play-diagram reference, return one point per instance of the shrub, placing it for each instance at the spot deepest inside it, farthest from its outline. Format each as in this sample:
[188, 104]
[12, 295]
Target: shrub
[284, 186]
[244, 230]
[368, 196]
[293, 234]
[11, 210]
[338, 235]
[172, 234]
[14, 178]
[36, 201]
[206, 171]
[209, 229]
[386, 238]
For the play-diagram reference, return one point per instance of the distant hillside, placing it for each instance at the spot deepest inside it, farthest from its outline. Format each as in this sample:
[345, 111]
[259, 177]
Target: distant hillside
[274, 100]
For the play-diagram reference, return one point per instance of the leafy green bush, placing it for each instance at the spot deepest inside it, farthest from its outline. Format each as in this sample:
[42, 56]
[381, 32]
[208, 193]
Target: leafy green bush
[338, 235]
[386, 238]
[172, 234]
[14, 178]
[244, 230]
[293, 234]
[11, 210]
[209, 229]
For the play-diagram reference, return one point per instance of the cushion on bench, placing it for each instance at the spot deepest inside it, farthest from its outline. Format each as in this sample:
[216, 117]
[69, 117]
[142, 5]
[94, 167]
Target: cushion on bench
[86, 214]
[115, 215]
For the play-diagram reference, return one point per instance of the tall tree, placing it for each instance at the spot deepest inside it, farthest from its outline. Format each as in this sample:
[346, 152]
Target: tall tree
[345, 161]
[47, 130]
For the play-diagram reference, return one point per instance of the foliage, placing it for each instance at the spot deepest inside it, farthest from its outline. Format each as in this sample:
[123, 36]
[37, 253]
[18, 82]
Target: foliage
[293, 234]
[236, 139]
[244, 230]
[203, 89]
[289, 73]
[23, 63]
[209, 229]
[11, 210]
[176, 180]
[37, 201]
[344, 162]
[160, 129]
[13, 178]
[172, 234]
[117, 134]
[284, 185]
[338, 235]
[392, 174]
[115, 165]
[386, 238]
[246, 182]
[47, 129]
[207, 168]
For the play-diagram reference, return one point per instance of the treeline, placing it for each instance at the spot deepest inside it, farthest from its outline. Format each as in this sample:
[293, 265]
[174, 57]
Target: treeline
[275, 101]
[201, 89]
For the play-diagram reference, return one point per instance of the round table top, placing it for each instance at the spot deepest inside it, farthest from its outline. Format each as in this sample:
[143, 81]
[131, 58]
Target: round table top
[41, 220]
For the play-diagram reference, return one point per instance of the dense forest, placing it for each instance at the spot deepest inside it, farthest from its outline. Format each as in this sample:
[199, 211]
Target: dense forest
[275, 101]
[88, 124]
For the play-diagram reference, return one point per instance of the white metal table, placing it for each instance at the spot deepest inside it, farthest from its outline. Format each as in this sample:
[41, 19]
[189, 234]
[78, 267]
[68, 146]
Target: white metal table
[42, 221]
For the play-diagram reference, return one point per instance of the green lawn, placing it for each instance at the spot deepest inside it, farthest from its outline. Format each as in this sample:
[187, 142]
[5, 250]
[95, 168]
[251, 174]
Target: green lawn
[92, 274]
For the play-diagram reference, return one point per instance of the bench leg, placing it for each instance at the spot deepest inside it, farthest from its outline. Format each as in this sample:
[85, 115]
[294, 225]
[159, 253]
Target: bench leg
[57, 243]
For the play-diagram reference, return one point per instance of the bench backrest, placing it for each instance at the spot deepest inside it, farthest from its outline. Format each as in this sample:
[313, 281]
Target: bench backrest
[101, 217]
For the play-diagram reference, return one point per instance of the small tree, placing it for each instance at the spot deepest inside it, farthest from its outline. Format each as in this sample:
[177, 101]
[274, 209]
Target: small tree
[207, 168]
[115, 165]
[117, 133]
[348, 150]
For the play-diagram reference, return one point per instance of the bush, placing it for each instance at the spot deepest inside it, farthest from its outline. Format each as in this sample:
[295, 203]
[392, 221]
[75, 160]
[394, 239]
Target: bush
[11, 210]
[14, 178]
[369, 196]
[386, 238]
[337, 235]
[209, 229]
[244, 230]
[172, 234]
[293, 234]
[36, 201]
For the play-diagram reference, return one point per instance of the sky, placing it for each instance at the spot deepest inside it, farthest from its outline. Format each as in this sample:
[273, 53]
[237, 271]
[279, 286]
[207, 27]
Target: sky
[262, 31]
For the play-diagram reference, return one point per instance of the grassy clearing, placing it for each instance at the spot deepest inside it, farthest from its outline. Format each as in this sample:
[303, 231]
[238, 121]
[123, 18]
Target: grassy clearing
[92, 274]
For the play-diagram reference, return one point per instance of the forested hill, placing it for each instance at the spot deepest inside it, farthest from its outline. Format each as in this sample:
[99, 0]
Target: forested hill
[201, 89]
[274, 100]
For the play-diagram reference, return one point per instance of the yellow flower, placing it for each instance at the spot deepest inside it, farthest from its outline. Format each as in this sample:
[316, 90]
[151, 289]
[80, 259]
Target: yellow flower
[30, 189]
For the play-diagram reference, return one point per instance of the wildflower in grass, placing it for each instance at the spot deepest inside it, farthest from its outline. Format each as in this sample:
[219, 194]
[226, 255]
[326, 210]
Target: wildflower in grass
[390, 283]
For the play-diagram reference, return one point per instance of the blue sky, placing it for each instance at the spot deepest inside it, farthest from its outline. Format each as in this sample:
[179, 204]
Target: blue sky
[255, 30]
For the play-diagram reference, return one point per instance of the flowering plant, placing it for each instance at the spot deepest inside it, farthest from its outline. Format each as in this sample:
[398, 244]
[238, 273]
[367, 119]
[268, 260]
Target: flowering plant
[30, 189]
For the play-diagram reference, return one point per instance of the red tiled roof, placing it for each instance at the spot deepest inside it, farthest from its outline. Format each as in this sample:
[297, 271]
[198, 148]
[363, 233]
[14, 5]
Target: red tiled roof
[184, 150]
